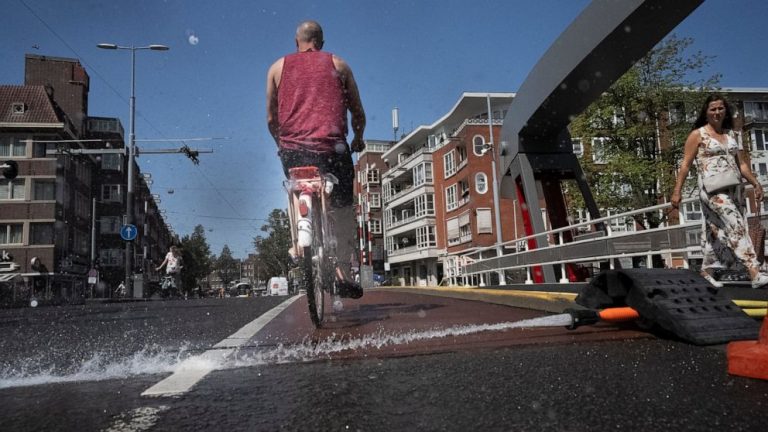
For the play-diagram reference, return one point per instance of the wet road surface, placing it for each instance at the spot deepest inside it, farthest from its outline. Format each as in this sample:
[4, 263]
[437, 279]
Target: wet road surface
[390, 361]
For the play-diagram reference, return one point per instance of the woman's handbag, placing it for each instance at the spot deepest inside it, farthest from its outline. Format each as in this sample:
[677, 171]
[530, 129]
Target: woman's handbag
[757, 234]
[723, 180]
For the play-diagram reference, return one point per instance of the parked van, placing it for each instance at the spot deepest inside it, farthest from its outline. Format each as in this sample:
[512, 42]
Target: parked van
[278, 286]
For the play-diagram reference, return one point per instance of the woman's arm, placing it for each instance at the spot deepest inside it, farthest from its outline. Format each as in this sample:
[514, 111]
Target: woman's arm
[746, 172]
[691, 147]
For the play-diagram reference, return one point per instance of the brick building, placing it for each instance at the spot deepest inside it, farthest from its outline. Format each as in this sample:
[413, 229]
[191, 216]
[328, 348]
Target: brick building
[47, 212]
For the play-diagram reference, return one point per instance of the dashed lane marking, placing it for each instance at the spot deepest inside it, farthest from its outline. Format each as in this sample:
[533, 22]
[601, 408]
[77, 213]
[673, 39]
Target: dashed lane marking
[190, 371]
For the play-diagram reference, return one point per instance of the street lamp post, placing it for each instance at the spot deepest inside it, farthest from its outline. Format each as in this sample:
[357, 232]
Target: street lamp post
[131, 152]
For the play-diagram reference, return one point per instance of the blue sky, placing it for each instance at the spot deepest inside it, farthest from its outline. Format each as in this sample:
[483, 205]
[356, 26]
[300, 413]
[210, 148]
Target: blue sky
[418, 56]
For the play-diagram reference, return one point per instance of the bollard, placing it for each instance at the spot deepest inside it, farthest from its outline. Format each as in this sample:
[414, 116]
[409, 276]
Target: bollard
[750, 358]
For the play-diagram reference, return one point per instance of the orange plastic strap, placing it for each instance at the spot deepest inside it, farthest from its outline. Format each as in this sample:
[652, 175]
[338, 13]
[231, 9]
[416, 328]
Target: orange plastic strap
[619, 314]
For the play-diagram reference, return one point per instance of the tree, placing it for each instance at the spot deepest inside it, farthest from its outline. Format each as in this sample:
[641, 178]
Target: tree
[227, 267]
[196, 256]
[650, 104]
[272, 249]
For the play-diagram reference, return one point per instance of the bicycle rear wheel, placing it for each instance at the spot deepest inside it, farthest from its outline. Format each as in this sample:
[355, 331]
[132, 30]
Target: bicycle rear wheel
[313, 271]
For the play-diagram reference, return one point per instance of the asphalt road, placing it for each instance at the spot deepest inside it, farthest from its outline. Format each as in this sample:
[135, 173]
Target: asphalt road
[85, 367]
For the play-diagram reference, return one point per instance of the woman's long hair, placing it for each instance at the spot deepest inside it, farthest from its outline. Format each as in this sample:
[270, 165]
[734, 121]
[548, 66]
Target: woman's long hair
[702, 119]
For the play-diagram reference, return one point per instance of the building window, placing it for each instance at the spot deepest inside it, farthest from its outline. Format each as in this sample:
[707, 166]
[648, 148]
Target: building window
[12, 189]
[760, 168]
[40, 149]
[484, 225]
[452, 231]
[451, 203]
[43, 190]
[41, 233]
[578, 147]
[760, 139]
[12, 147]
[461, 153]
[598, 150]
[425, 237]
[112, 161]
[692, 211]
[375, 225]
[375, 199]
[422, 174]
[81, 242]
[111, 257]
[478, 145]
[11, 233]
[110, 225]
[756, 111]
[465, 228]
[111, 193]
[373, 175]
[450, 163]
[481, 183]
[425, 205]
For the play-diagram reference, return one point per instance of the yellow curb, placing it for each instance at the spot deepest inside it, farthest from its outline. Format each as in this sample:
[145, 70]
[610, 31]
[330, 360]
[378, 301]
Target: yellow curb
[756, 313]
[542, 295]
[751, 303]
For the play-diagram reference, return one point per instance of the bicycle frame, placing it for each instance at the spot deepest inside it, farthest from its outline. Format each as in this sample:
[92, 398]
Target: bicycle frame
[312, 237]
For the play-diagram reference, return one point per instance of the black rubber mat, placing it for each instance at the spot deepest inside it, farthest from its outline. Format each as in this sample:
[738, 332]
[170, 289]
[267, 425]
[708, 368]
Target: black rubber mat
[679, 301]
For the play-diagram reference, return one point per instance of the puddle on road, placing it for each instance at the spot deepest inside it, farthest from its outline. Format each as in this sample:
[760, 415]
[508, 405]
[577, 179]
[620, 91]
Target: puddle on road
[98, 368]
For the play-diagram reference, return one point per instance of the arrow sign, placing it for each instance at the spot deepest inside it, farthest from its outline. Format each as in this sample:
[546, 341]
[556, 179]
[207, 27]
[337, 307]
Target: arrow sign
[128, 232]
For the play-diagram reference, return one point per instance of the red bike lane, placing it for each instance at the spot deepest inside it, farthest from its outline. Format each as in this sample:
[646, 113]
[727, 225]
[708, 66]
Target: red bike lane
[386, 323]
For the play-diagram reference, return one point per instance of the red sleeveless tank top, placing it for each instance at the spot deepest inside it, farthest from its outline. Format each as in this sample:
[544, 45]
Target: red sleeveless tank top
[312, 111]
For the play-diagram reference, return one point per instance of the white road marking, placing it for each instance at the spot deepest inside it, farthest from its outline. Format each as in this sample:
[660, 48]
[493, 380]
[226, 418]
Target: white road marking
[192, 370]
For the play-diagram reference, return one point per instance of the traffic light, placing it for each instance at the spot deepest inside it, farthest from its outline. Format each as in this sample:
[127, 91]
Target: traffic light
[10, 169]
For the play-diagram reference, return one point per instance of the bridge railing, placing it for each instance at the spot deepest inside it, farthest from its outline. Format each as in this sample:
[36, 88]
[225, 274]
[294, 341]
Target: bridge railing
[595, 246]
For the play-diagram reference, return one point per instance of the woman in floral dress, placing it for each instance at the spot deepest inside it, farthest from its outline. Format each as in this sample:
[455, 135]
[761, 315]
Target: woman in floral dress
[725, 238]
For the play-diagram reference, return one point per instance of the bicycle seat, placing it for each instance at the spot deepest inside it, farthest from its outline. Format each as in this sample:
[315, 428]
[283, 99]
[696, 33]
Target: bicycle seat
[304, 173]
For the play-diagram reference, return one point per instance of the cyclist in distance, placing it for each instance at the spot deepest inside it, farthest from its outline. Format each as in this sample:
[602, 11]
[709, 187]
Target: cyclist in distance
[308, 95]
[173, 265]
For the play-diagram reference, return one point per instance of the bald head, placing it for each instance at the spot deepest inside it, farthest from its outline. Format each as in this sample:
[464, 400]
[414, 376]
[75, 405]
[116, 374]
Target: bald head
[309, 35]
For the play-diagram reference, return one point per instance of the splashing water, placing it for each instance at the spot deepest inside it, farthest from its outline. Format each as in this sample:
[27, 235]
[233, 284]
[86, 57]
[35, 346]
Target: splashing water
[158, 361]
[309, 350]
[98, 367]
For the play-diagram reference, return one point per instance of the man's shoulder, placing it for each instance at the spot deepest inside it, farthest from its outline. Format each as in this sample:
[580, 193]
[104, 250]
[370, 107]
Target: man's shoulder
[278, 64]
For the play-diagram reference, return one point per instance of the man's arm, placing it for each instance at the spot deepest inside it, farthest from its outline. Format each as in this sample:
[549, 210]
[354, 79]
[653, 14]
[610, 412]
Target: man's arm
[273, 80]
[353, 103]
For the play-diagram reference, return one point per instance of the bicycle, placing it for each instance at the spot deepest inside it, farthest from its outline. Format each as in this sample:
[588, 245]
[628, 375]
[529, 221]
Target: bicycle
[120, 291]
[168, 286]
[312, 235]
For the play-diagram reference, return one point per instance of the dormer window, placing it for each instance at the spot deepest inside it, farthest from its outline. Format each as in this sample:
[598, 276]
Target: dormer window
[18, 108]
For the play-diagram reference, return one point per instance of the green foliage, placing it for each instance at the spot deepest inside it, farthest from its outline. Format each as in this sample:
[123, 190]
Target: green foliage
[196, 256]
[272, 248]
[648, 105]
[227, 267]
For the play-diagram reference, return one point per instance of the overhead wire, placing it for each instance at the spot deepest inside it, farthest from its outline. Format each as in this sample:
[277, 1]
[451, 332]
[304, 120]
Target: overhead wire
[96, 72]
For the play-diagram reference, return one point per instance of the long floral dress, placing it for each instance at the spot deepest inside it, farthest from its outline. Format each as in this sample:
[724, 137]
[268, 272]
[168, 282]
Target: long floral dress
[725, 241]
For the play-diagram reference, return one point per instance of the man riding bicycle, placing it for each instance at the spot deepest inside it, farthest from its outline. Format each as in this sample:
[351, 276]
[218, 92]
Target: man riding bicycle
[173, 265]
[308, 95]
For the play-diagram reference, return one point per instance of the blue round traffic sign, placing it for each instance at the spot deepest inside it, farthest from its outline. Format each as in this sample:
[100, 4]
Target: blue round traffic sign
[128, 232]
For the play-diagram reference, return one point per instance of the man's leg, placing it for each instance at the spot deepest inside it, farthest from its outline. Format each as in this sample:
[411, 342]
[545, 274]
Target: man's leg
[343, 219]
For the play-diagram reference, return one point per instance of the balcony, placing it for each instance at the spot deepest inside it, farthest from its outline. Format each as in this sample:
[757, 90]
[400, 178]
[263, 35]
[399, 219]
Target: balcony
[402, 166]
[475, 121]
